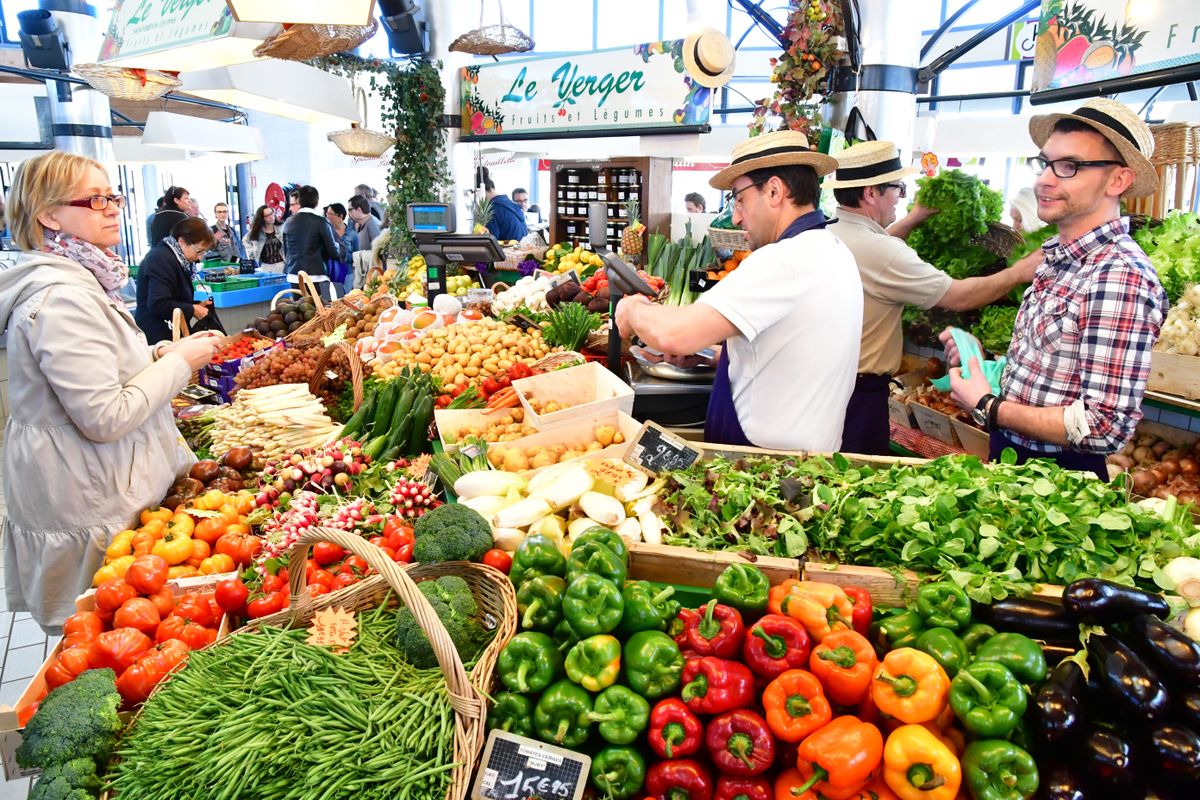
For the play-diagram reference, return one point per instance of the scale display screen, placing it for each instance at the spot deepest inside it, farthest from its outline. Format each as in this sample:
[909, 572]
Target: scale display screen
[430, 217]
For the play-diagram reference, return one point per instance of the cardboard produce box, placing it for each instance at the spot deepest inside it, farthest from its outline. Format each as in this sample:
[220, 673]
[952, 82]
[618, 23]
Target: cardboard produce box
[934, 423]
[973, 440]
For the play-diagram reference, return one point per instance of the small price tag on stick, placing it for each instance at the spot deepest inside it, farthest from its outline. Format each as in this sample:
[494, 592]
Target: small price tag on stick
[656, 450]
[333, 627]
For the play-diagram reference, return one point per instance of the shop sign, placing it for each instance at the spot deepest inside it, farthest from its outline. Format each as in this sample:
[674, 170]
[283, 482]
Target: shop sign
[139, 27]
[641, 89]
[1085, 41]
[1022, 40]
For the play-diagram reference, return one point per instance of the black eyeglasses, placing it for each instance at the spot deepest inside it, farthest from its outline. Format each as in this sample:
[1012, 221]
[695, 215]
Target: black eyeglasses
[98, 202]
[903, 188]
[732, 197]
[1066, 167]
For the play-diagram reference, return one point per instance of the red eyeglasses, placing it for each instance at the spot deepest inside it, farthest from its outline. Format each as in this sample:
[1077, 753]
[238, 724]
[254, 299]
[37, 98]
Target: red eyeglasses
[98, 202]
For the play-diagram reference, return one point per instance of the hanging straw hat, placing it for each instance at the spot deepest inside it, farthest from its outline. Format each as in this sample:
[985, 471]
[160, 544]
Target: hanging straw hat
[778, 149]
[869, 164]
[709, 57]
[1116, 122]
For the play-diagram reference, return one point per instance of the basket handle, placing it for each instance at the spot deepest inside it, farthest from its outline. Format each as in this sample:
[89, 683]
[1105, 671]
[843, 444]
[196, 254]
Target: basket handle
[356, 371]
[310, 288]
[179, 326]
[465, 698]
[282, 293]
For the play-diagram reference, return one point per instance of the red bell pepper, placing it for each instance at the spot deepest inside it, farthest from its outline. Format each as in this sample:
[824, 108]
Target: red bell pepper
[719, 631]
[740, 743]
[518, 371]
[860, 617]
[713, 685]
[674, 730]
[774, 645]
[729, 788]
[680, 779]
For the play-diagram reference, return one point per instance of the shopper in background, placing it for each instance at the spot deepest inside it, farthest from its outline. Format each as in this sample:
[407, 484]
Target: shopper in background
[340, 269]
[308, 241]
[508, 219]
[520, 199]
[90, 440]
[193, 209]
[868, 187]
[694, 203]
[367, 229]
[228, 244]
[790, 317]
[172, 208]
[164, 281]
[1023, 211]
[263, 243]
[1080, 355]
[372, 198]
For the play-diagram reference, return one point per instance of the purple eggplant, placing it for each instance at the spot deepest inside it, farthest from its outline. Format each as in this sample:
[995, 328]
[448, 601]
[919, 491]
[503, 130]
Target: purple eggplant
[1036, 619]
[1057, 710]
[1108, 759]
[1169, 649]
[1060, 782]
[1186, 708]
[1172, 752]
[1098, 602]
[1130, 682]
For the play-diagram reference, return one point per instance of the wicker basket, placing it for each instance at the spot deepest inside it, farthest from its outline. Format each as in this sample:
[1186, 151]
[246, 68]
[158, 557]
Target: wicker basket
[724, 238]
[319, 324]
[557, 360]
[356, 371]
[999, 240]
[303, 42]
[493, 40]
[356, 141]
[123, 83]
[468, 693]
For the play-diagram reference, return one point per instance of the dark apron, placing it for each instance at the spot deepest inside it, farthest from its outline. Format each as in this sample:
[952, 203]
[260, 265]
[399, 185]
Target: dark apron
[1067, 459]
[867, 430]
[721, 425]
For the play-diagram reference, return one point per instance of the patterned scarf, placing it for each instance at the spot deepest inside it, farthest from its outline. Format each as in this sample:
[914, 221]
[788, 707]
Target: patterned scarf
[110, 271]
[188, 266]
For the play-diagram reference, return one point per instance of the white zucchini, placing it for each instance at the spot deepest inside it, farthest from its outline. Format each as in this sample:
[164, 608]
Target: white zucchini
[602, 508]
[522, 514]
[566, 489]
[487, 482]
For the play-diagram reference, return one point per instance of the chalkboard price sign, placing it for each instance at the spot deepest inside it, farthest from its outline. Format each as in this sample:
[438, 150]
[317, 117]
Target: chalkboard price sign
[570, 276]
[516, 768]
[656, 450]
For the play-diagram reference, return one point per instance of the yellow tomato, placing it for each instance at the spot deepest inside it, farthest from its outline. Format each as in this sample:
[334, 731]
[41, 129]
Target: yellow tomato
[211, 500]
[155, 527]
[176, 548]
[214, 565]
[157, 512]
[111, 571]
[121, 545]
[182, 524]
[177, 572]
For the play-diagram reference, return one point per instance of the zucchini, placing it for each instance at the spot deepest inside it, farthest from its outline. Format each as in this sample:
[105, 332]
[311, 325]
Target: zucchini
[375, 447]
[420, 429]
[390, 455]
[383, 409]
[357, 421]
[407, 395]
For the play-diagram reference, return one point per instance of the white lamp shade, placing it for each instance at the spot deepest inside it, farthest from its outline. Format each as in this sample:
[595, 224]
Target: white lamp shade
[283, 88]
[180, 132]
[317, 12]
[131, 150]
[237, 47]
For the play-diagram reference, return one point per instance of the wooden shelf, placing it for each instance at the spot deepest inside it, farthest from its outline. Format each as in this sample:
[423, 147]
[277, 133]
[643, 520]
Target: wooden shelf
[652, 189]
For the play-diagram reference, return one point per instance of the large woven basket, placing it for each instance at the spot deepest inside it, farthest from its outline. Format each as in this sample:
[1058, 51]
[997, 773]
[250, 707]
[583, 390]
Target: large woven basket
[724, 238]
[319, 324]
[492, 591]
[360, 142]
[124, 83]
[356, 370]
[302, 42]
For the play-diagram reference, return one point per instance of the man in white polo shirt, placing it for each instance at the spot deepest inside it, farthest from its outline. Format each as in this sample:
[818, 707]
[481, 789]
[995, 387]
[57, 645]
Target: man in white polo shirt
[790, 317]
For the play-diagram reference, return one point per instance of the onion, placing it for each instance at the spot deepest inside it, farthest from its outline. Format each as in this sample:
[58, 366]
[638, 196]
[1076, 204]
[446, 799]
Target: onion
[1142, 454]
[1121, 460]
[1188, 498]
[1189, 465]
[1160, 475]
[1162, 493]
[1146, 440]
[1169, 466]
[1160, 448]
[1144, 482]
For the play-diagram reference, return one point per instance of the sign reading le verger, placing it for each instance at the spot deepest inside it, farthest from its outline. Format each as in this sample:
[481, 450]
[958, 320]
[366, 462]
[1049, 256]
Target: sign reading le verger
[644, 88]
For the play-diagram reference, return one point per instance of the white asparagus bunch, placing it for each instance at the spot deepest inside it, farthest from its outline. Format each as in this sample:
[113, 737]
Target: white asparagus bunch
[272, 421]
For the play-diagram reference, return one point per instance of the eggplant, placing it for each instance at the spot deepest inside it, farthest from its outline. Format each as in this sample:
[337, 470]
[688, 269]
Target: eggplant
[1058, 709]
[1172, 752]
[1128, 680]
[1036, 619]
[1168, 648]
[1186, 708]
[1060, 782]
[1098, 602]
[1108, 759]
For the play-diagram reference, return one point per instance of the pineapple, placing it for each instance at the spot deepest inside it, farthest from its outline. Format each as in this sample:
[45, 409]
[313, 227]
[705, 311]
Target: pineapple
[631, 237]
[482, 211]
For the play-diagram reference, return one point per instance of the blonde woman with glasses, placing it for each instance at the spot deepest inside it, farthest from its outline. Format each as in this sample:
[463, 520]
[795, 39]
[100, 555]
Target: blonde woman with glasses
[90, 438]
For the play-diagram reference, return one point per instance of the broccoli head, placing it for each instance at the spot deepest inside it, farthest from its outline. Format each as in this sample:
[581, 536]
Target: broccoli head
[451, 532]
[58, 789]
[77, 720]
[455, 606]
[71, 780]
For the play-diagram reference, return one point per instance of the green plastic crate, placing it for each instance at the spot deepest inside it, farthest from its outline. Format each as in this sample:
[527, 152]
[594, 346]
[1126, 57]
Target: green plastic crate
[233, 284]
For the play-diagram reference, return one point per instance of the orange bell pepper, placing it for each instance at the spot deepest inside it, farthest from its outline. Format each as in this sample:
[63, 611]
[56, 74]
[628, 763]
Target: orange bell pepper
[875, 790]
[910, 686]
[839, 759]
[821, 608]
[795, 705]
[950, 737]
[917, 766]
[845, 662]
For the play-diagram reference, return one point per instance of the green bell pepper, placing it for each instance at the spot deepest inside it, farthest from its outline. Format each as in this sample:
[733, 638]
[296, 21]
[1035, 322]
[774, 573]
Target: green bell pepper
[897, 630]
[596, 558]
[945, 647]
[529, 662]
[944, 605]
[622, 714]
[537, 555]
[539, 602]
[618, 772]
[647, 609]
[595, 662]
[976, 634]
[987, 699]
[996, 770]
[653, 664]
[610, 539]
[1022, 655]
[561, 715]
[593, 604]
[742, 586]
[565, 637]
[511, 712]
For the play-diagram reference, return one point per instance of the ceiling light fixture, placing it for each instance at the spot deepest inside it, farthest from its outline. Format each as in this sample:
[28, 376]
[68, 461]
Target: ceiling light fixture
[283, 88]
[315, 12]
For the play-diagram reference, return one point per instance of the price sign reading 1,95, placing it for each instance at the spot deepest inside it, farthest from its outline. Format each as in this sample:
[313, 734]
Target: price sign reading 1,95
[656, 450]
[516, 768]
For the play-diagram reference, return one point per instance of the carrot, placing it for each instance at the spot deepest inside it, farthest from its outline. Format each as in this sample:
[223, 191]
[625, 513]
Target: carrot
[505, 398]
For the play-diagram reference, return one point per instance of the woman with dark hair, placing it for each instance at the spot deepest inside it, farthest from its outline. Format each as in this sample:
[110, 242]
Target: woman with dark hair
[164, 281]
[172, 208]
[263, 242]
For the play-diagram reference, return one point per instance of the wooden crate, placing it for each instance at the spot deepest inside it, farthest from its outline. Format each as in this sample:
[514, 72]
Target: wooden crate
[587, 390]
[575, 432]
[973, 440]
[682, 565]
[1171, 373]
[883, 585]
[934, 423]
[900, 413]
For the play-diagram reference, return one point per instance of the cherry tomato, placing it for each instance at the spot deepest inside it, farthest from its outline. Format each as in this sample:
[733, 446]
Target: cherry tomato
[498, 559]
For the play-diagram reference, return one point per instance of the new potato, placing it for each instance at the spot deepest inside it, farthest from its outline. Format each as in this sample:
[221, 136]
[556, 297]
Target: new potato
[463, 353]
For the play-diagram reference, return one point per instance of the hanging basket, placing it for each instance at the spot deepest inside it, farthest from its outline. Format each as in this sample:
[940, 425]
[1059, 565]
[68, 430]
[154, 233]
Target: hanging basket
[302, 42]
[356, 141]
[493, 40]
[124, 83]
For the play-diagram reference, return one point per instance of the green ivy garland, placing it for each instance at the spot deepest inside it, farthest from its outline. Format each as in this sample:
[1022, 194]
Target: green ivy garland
[419, 170]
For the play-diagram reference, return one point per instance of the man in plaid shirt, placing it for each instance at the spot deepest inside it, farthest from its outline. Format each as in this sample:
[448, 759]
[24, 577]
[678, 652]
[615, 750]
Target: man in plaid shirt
[1080, 354]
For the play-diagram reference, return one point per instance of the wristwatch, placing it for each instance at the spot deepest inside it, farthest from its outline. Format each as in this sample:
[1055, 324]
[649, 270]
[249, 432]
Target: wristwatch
[980, 413]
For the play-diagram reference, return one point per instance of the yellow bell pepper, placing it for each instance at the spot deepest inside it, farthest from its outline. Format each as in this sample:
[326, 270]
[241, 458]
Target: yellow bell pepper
[910, 686]
[113, 570]
[121, 545]
[917, 766]
[175, 547]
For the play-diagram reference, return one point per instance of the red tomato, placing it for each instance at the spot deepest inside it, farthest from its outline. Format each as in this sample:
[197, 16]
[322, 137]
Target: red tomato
[138, 680]
[518, 371]
[173, 652]
[85, 624]
[404, 554]
[273, 583]
[111, 595]
[265, 605]
[321, 577]
[455, 389]
[138, 613]
[118, 648]
[498, 559]
[190, 633]
[443, 401]
[317, 589]
[67, 666]
[164, 601]
[241, 547]
[490, 386]
[147, 574]
[398, 535]
[232, 595]
[344, 579]
[378, 541]
[355, 565]
[194, 608]
[326, 553]
[78, 640]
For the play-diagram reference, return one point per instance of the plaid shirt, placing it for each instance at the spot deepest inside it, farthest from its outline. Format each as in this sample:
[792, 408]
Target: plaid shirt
[1084, 332]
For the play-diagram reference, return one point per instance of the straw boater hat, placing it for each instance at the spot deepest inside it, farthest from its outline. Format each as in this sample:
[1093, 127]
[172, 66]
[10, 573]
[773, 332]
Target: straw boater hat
[779, 149]
[1117, 123]
[709, 57]
[869, 164]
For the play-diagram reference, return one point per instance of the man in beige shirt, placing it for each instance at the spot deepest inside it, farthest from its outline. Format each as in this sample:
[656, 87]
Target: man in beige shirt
[868, 187]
